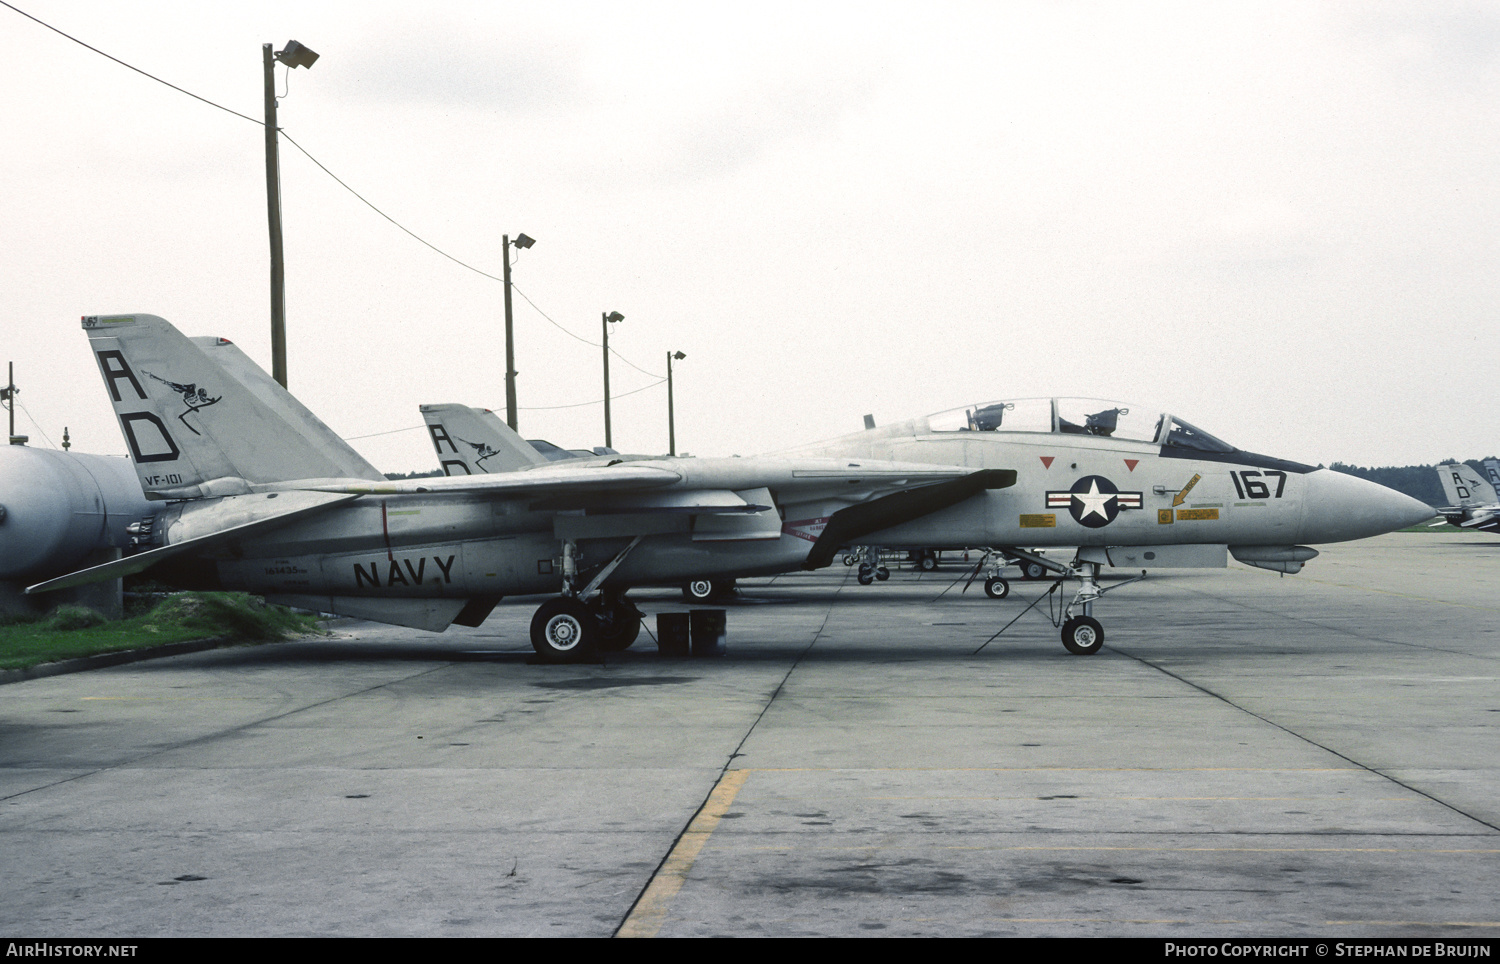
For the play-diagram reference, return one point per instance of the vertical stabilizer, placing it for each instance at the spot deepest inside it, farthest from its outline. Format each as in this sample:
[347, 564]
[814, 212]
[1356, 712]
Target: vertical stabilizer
[193, 428]
[227, 355]
[474, 441]
[1463, 486]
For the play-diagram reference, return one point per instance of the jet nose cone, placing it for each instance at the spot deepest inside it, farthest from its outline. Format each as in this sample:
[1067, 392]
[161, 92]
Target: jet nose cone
[1341, 507]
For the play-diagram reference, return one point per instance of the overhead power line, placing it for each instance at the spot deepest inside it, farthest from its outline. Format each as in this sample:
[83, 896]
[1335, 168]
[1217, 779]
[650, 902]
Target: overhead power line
[340, 181]
[129, 66]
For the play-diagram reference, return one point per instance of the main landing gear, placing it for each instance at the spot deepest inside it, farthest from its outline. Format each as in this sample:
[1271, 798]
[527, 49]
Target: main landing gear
[569, 630]
[579, 624]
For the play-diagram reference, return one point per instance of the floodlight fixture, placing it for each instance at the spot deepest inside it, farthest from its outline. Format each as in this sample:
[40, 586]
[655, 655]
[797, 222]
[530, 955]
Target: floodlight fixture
[522, 241]
[296, 55]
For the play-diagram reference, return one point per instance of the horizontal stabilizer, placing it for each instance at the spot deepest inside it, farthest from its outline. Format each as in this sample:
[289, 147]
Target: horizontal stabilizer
[848, 525]
[309, 504]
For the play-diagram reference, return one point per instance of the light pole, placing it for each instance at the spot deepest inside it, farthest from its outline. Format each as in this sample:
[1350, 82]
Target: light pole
[611, 316]
[293, 55]
[523, 242]
[671, 423]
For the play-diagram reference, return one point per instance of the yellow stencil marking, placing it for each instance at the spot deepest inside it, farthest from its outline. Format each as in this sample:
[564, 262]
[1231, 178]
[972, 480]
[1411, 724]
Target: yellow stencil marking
[1181, 497]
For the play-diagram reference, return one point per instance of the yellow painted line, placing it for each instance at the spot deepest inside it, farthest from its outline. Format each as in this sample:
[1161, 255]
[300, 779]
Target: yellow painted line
[651, 910]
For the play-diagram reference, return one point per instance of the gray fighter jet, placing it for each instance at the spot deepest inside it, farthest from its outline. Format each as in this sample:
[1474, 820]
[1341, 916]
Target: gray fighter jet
[259, 495]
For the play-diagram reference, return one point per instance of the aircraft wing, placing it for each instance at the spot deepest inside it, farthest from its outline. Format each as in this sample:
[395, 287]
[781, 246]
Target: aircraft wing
[547, 480]
[848, 525]
[691, 485]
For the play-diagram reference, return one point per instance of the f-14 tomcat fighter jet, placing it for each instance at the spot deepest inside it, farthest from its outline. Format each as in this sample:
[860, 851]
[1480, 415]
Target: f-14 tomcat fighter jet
[257, 494]
[1128, 486]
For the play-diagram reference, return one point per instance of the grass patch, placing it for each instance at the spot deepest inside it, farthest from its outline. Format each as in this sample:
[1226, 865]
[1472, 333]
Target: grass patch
[72, 631]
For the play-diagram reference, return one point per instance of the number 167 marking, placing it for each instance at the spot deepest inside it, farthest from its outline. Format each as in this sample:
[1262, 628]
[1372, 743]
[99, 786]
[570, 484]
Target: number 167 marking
[1249, 485]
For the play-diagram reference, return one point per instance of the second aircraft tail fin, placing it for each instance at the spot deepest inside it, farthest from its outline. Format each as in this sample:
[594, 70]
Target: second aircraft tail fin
[473, 441]
[1463, 486]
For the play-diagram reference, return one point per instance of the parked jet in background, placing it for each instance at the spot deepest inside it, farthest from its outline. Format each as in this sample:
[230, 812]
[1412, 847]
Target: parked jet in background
[474, 441]
[1472, 503]
[261, 496]
[481, 443]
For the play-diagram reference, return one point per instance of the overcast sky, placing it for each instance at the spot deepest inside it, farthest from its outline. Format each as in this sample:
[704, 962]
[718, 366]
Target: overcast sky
[1276, 220]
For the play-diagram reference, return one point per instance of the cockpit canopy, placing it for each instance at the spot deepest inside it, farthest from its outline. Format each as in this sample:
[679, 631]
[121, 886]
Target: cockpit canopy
[1079, 416]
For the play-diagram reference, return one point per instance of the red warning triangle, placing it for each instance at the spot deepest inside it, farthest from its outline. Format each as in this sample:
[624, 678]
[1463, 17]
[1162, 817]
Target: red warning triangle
[1131, 464]
[1047, 461]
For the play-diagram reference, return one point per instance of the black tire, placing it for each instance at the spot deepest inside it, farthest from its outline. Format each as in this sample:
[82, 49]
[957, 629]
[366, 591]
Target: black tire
[996, 588]
[1032, 570]
[865, 578]
[882, 573]
[707, 590]
[564, 631]
[848, 559]
[927, 563]
[1083, 636]
[619, 623]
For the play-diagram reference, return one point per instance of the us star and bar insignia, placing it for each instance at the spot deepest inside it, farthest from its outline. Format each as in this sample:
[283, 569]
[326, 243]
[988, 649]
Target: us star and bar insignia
[1094, 501]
